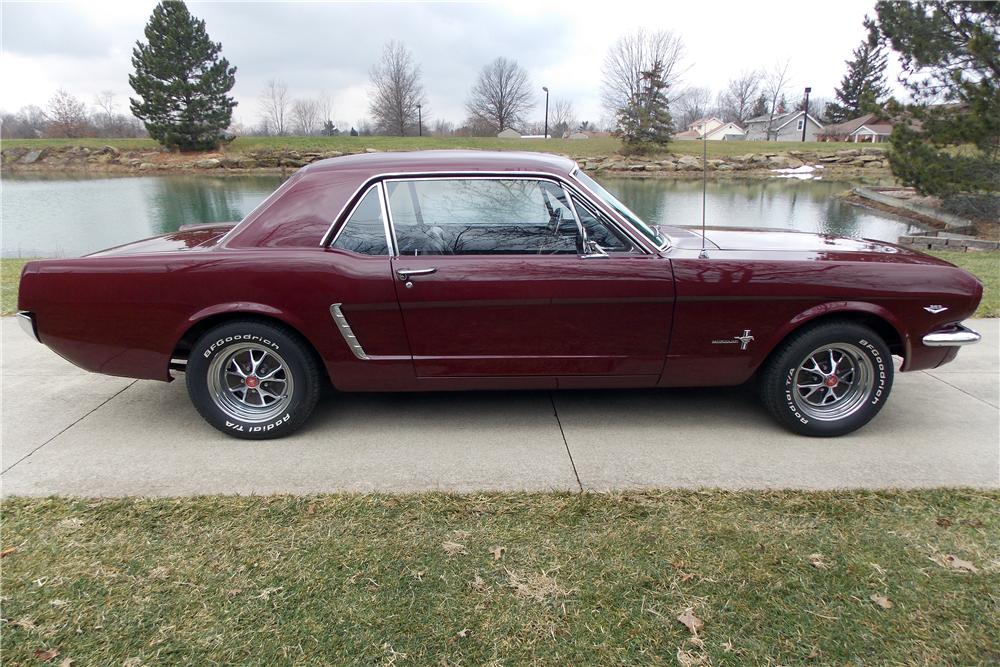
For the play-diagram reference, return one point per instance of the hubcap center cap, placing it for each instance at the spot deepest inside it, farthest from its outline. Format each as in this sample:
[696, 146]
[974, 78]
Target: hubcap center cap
[832, 381]
[252, 382]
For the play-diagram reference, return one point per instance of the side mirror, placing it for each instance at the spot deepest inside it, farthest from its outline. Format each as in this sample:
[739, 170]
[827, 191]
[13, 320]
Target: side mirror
[592, 250]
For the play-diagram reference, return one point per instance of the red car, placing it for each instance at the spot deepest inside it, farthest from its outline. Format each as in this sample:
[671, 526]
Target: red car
[458, 270]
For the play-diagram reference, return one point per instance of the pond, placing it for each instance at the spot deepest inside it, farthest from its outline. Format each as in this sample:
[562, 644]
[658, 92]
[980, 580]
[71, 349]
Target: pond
[65, 217]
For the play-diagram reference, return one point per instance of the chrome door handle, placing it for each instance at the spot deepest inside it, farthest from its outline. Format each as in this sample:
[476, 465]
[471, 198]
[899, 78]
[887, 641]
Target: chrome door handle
[404, 274]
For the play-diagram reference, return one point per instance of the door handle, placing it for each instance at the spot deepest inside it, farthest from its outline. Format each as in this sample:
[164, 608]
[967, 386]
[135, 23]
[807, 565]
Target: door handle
[404, 274]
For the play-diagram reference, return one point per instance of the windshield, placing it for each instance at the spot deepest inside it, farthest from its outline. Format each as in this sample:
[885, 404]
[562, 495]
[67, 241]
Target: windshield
[622, 209]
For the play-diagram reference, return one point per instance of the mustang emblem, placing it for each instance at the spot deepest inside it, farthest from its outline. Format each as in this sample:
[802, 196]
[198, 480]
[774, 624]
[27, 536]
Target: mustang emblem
[743, 340]
[935, 309]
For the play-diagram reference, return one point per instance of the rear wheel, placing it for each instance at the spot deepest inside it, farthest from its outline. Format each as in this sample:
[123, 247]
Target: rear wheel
[828, 380]
[252, 380]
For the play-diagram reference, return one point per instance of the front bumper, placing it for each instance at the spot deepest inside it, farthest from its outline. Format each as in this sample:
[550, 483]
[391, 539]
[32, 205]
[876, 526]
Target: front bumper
[27, 322]
[956, 334]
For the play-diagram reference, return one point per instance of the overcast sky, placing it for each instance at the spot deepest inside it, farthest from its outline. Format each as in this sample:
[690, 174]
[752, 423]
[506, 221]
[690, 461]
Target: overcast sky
[85, 47]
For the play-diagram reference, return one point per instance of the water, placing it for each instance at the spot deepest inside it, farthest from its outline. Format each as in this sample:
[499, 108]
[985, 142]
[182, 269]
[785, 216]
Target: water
[66, 217]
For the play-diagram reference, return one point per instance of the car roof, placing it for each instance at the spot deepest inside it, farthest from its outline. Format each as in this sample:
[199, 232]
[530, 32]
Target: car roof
[445, 161]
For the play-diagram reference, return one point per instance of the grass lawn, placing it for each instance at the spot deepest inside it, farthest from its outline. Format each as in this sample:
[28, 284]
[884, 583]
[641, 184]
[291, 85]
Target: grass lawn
[545, 579]
[576, 148]
[10, 276]
[986, 267]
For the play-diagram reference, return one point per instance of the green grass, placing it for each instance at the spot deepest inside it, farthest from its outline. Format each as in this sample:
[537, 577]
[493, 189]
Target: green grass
[576, 148]
[986, 267]
[582, 579]
[10, 277]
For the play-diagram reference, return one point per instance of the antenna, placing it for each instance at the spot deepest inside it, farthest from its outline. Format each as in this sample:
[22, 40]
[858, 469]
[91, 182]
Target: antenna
[704, 187]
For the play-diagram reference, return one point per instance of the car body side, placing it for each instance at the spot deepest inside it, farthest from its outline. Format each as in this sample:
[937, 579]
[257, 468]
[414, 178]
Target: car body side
[131, 310]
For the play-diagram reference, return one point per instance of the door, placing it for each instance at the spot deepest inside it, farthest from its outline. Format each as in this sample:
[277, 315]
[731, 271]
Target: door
[493, 278]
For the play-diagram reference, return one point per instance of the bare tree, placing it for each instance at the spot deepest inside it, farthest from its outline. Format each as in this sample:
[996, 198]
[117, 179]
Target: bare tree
[274, 106]
[775, 83]
[324, 107]
[305, 116]
[442, 128]
[563, 117]
[693, 103]
[634, 54]
[501, 97]
[737, 100]
[396, 90]
[67, 115]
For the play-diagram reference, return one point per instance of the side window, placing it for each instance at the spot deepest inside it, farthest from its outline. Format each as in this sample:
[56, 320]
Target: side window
[600, 232]
[364, 231]
[481, 217]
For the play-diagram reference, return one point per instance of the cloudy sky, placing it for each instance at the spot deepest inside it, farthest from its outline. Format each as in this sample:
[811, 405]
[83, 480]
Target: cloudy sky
[315, 47]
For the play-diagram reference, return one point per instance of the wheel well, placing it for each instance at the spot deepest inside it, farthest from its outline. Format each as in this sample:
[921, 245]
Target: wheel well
[183, 347]
[882, 327]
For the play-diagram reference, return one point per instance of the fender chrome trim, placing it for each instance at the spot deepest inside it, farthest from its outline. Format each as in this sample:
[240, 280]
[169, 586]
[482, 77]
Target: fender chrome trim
[27, 322]
[346, 332]
[957, 334]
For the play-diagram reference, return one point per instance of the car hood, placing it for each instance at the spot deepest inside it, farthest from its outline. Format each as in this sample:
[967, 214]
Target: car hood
[766, 240]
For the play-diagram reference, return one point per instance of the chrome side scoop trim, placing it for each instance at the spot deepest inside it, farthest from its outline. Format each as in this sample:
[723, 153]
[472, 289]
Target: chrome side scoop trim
[346, 332]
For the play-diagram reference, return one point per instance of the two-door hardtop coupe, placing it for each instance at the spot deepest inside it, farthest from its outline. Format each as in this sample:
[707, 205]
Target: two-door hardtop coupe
[457, 270]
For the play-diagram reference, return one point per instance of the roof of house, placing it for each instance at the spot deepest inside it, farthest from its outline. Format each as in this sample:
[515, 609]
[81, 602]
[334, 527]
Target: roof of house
[688, 134]
[849, 126]
[874, 128]
[705, 120]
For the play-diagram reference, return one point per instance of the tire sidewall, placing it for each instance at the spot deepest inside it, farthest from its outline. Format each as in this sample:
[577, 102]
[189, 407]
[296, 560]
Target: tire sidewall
[219, 342]
[864, 339]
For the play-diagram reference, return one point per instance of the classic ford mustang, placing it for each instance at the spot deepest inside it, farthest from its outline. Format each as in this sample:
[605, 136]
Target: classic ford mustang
[459, 270]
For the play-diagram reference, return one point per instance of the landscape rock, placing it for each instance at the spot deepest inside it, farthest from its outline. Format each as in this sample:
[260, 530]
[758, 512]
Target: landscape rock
[31, 157]
[210, 163]
[689, 163]
[146, 166]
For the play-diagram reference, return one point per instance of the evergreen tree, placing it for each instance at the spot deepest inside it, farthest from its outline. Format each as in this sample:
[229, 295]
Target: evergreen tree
[950, 55]
[644, 123]
[759, 107]
[182, 81]
[863, 88]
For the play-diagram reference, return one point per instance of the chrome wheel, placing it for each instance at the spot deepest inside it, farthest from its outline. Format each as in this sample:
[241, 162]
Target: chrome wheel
[833, 382]
[250, 383]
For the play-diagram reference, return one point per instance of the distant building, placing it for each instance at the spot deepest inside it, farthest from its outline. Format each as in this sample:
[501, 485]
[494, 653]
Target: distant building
[784, 127]
[579, 135]
[509, 134]
[869, 128]
[712, 129]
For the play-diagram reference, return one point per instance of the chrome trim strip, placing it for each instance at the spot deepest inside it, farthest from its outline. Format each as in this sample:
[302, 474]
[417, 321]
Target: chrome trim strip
[574, 186]
[961, 335]
[390, 233]
[346, 332]
[357, 202]
[610, 209]
[27, 322]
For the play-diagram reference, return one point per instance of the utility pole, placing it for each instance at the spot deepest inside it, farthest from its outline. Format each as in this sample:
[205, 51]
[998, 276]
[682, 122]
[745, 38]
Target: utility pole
[805, 113]
[546, 134]
[420, 122]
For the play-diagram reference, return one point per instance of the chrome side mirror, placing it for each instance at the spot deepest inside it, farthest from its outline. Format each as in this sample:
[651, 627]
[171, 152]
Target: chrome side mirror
[591, 250]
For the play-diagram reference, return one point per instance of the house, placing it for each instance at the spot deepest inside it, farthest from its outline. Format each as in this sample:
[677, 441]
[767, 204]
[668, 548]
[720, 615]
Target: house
[509, 134]
[868, 128]
[711, 129]
[783, 127]
[874, 133]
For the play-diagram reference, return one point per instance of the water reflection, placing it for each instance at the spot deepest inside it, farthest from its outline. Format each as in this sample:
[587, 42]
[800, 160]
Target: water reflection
[60, 216]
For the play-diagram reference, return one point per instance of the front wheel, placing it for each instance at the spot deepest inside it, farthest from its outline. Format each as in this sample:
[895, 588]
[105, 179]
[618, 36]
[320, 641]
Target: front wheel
[828, 380]
[252, 379]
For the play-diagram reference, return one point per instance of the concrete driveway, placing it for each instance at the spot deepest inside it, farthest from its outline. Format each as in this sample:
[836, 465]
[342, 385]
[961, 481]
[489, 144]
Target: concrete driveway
[66, 431]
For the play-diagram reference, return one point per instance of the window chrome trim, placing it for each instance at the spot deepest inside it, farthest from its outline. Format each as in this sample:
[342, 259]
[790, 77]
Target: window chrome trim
[347, 332]
[593, 197]
[583, 193]
[382, 213]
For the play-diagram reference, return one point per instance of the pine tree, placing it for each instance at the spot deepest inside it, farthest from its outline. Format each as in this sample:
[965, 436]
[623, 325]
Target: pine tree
[644, 123]
[863, 88]
[759, 107]
[950, 52]
[182, 81]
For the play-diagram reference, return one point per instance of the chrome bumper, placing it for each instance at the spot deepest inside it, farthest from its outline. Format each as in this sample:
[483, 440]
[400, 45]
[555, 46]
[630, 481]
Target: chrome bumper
[957, 334]
[27, 322]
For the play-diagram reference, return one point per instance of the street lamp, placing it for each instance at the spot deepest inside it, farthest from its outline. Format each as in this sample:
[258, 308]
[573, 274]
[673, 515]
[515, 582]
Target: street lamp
[420, 122]
[546, 89]
[805, 113]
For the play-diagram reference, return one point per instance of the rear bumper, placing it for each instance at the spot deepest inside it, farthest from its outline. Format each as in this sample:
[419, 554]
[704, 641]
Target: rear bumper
[953, 335]
[27, 322]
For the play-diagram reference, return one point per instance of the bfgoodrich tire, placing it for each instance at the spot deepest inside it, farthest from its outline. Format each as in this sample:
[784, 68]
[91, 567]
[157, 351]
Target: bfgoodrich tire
[828, 379]
[253, 379]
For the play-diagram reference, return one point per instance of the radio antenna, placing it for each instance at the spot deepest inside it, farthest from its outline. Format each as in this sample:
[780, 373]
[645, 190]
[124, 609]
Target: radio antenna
[704, 186]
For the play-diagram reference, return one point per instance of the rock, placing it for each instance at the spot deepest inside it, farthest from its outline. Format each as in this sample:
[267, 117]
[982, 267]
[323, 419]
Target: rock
[873, 151]
[744, 158]
[635, 167]
[291, 162]
[330, 154]
[109, 150]
[868, 158]
[849, 153]
[667, 165]
[31, 157]
[210, 163]
[146, 166]
[783, 162]
[689, 163]
[371, 150]
[726, 167]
